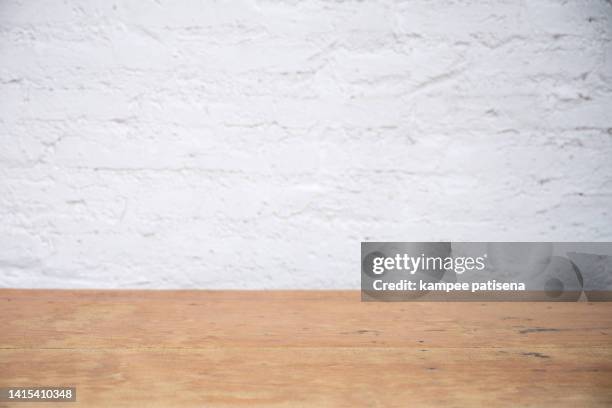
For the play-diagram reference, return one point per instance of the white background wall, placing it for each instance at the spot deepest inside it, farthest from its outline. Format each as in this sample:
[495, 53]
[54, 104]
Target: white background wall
[255, 144]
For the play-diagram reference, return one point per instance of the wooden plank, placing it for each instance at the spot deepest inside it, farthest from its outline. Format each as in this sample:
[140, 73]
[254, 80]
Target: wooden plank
[102, 319]
[299, 348]
[321, 377]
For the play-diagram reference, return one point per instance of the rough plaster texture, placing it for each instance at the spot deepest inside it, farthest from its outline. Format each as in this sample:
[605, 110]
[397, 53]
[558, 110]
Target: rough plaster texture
[255, 144]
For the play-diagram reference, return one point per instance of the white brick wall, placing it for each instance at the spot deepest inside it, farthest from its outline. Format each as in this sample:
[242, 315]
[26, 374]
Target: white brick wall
[255, 144]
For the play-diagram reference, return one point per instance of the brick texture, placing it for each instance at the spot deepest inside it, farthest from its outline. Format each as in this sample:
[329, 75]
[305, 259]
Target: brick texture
[254, 144]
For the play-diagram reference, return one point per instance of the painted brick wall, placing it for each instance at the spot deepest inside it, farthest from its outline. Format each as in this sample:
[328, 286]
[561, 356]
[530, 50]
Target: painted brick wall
[255, 144]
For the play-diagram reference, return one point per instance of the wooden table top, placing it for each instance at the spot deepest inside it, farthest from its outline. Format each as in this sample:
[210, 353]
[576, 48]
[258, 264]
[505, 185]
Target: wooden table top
[302, 348]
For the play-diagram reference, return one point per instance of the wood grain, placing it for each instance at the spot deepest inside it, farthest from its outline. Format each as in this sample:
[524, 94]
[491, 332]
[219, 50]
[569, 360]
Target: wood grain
[299, 348]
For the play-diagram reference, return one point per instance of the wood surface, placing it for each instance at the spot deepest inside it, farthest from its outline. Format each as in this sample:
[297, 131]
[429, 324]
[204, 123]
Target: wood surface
[302, 349]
